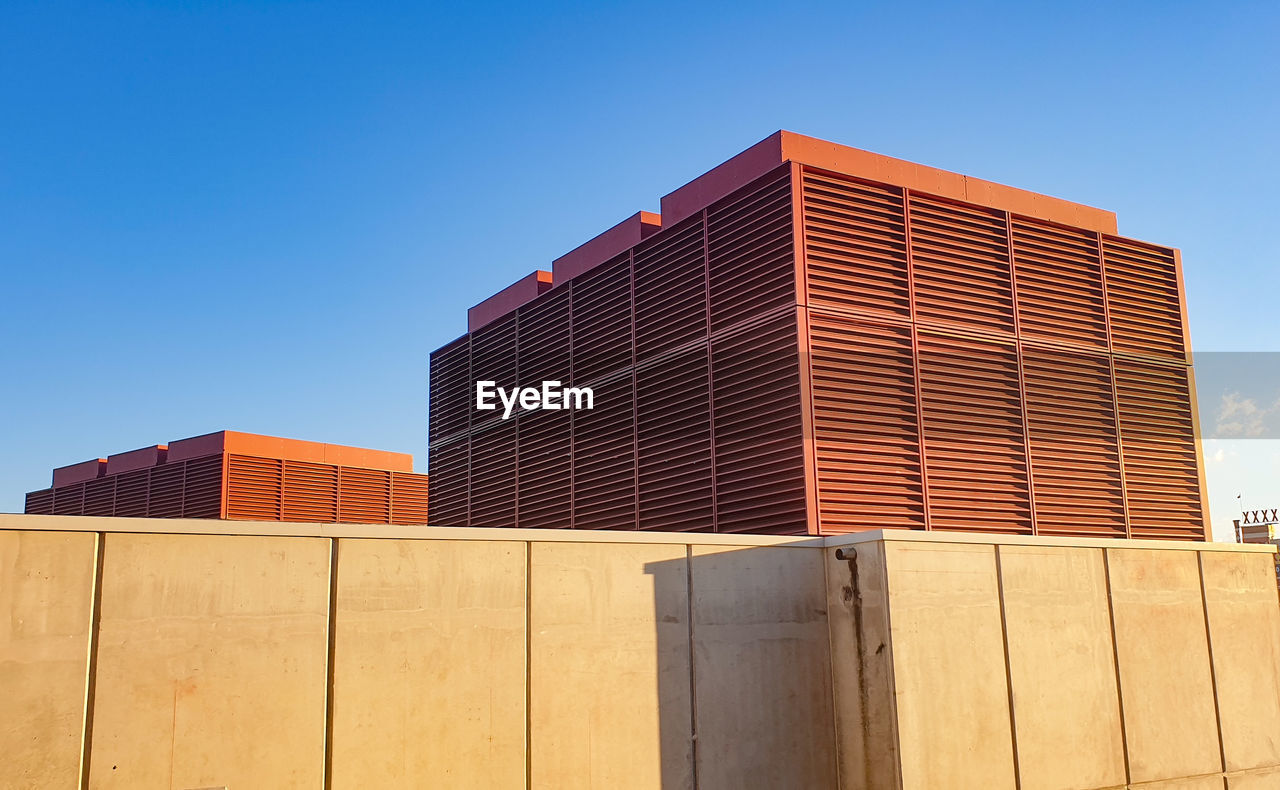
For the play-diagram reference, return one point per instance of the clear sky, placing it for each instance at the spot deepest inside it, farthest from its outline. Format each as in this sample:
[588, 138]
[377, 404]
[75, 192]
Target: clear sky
[264, 216]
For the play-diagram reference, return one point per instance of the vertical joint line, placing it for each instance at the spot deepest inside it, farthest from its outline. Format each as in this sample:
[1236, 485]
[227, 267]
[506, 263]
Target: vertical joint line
[1115, 664]
[515, 428]
[635, 395]
[1115, 390]
[1022, 378]
[711, 382]
[1213, 670]
[804, 344]
[572, 421]
[91, 668]
[331, 652]
[1008, 671]
[528, 665]
[470, 434]
[915, 355]
[693, 681]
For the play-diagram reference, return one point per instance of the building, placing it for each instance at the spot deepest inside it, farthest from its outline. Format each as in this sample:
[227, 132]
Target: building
[811, 338]
[241, 476]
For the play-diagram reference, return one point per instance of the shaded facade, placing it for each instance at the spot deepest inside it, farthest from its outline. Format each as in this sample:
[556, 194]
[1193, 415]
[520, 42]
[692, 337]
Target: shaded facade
[815, 339]
[241, 476]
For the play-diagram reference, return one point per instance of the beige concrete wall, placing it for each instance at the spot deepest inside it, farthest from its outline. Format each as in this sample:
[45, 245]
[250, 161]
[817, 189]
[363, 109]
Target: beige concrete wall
[415, 657]
[211, 662]
[46, 603]
[762, 668]
[429, 664]
[1244, 635]
[609, 692]
[1062, 667]
[1055, 664]
[949, 674]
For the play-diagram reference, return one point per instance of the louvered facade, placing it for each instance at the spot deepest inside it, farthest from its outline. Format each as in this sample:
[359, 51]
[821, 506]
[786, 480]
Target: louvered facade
[229, 475]
[820, 340]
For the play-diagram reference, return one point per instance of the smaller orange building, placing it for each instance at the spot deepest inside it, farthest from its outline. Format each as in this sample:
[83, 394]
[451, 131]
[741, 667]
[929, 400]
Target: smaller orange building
[241, 476]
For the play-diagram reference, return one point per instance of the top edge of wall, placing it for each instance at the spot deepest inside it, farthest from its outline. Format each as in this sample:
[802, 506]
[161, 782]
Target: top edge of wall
[18, 521]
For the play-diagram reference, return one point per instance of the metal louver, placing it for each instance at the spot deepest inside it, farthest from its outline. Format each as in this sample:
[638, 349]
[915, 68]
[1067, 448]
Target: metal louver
[601, 308]
[866, 436]
[759, 447]
[1161, 465]
[855, 246]
[165, 493]
[254, 486]
[450, 482]
[1060, 297]
[604, 463]
[1143, 299]
[100, 496]
[960, 257]
[750, 258]
[449, 390]
[975, 456]
[1072, 434]
[364, 496]
[202, 491]
[493, 475]
[673, 428]
[409, 501]
[670, 291]
[310, 492]
[40, 502]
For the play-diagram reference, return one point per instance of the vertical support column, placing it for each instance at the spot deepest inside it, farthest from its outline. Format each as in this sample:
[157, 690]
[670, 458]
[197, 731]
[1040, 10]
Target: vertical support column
[331, 639]
[91, 674]
[804, 347]
[572, 455]
[915, 355]
[711, 382]
[635, 393]
[1022, 379]
[1115, 395]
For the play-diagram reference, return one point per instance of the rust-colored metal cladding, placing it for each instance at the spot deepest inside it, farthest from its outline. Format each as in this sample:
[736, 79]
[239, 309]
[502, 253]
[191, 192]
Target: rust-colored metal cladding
[820, 339]
[244, 476]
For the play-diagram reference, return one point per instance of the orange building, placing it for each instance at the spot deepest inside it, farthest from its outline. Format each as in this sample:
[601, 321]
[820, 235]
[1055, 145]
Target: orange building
[811, 338]
[233, 475]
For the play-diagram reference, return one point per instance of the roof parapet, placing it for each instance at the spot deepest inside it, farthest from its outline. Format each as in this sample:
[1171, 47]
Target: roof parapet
[521, 291]
[614, 241]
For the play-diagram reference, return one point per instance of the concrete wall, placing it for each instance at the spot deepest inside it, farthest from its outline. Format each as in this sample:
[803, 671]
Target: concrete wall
[312, 656]
[198, 654]
[1054, 664]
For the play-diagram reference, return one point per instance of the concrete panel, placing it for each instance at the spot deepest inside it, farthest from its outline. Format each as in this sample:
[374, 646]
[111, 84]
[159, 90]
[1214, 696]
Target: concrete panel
[862, 668]
[212, 654]
[609, 696]
[1211, 782]
[1266, 779]
[46, 602]
[1165, 684]
[1062, 668]
[429, 664]
[762, 669]
[1244, 634]
[949, 667]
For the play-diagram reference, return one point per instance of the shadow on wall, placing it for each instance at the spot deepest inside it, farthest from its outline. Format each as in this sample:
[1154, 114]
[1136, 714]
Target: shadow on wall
[743, 668]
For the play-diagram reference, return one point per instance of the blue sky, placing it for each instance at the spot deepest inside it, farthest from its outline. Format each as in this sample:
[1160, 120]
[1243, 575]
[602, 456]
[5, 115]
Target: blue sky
[264, 216]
